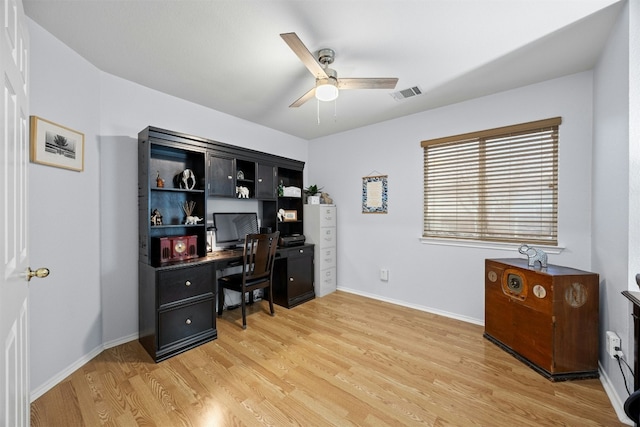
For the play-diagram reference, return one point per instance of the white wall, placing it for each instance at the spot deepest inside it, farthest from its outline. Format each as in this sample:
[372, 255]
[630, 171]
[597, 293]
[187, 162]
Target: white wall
[446, 279]
[65, 312]
[616, 196]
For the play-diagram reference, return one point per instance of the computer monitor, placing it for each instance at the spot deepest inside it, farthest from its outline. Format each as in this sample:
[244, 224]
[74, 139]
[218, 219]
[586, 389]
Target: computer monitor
[231, 228]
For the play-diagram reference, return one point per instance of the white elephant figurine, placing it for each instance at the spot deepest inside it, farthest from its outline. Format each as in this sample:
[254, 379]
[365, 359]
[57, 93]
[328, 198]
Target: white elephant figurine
[535, 255]
[242, 192]
[281, 215]
[192, 220]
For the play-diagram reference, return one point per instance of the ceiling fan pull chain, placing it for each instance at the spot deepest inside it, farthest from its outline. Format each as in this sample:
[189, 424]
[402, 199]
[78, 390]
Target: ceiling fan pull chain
[318, 110]
[335, 110]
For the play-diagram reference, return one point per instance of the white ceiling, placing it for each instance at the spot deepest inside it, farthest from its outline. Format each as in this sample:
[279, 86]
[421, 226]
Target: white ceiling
[228, 54]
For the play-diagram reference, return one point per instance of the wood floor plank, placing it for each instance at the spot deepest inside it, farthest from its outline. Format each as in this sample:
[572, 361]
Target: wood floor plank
[340, 360]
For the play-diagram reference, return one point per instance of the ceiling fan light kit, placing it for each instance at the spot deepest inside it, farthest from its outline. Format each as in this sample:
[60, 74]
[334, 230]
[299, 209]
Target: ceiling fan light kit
[327, 82]
[327, 89]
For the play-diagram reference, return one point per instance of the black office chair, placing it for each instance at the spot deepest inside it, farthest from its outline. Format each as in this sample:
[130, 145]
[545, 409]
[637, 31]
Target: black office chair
[257, 271]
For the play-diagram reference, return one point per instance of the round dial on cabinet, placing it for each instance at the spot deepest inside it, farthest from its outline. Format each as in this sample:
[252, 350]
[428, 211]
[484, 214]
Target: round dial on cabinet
[514, 283]
[539, 291]
[493, 276]
[576, 294]
[180, 246]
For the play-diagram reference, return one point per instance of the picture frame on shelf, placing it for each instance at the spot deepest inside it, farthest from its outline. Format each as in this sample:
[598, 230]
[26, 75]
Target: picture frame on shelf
[55, 145]
[290, 215]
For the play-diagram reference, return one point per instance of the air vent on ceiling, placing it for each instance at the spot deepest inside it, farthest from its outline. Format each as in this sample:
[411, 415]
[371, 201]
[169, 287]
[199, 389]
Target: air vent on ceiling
[406, 93]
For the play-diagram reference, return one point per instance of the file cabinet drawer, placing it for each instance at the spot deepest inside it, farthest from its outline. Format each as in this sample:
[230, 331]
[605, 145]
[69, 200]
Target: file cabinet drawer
[327, 237]
[326, 258]
[326, 283]
[328, 216]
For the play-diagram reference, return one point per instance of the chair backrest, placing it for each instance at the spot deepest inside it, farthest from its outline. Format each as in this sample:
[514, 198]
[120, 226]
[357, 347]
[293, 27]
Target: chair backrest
[259, 254]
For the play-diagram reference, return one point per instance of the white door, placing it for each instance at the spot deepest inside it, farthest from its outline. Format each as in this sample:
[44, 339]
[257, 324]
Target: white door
[14, 254]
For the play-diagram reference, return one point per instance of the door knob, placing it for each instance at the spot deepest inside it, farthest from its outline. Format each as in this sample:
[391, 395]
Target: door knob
[41, 272]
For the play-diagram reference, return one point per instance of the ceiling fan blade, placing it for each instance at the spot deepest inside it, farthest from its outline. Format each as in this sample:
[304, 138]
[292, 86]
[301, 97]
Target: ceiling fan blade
[368, 83]
[305, 56]
[304, 98]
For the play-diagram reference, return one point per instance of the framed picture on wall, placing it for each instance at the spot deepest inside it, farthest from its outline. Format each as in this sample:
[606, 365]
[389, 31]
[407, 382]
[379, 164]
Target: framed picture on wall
[374, 194]
[56, 145]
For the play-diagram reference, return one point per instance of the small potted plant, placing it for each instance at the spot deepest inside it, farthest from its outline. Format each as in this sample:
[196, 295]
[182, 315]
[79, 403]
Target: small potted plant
[312, 193]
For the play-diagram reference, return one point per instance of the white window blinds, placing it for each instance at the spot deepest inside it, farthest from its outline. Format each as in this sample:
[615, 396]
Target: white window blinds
[496, 185]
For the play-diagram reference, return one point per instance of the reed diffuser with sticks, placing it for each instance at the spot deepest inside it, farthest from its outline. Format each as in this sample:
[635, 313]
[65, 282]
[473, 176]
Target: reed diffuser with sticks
[188, 207]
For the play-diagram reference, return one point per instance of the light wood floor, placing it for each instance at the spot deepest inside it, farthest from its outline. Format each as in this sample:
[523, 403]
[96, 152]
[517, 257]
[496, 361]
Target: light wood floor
[340, 360]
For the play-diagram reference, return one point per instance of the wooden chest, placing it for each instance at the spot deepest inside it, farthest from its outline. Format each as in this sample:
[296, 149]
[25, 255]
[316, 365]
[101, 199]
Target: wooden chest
[548, 318]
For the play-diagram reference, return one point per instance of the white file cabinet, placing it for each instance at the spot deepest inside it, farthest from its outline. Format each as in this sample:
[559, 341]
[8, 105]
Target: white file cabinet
[320, 229]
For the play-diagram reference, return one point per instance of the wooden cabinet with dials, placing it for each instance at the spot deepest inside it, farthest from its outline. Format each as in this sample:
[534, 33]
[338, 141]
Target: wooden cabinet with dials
[546, 317]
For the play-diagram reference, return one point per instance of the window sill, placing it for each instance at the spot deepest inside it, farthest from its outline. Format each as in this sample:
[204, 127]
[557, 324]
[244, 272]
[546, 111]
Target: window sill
[486, 245]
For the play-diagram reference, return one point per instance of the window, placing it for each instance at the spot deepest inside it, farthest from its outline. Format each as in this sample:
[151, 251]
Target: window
[498, 185]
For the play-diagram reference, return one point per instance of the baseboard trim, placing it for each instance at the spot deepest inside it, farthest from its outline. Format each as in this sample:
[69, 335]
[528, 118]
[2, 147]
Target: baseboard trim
[617, 404]
[42, 389]
[414, 306]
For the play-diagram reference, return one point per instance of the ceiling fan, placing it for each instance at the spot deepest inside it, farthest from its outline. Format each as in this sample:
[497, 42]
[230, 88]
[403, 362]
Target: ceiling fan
[327, 81]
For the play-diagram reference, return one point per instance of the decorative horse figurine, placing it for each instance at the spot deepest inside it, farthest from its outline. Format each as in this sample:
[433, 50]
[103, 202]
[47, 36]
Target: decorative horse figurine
[535, 255]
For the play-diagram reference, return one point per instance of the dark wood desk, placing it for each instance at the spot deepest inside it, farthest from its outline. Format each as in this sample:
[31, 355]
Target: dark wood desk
[224, 258]
[177, 301]
[292, 273]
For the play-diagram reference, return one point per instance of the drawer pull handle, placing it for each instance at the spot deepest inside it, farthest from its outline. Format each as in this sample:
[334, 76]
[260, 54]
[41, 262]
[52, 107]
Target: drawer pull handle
[187, 283]
[301, 251]
[188, 321]
[291, 279]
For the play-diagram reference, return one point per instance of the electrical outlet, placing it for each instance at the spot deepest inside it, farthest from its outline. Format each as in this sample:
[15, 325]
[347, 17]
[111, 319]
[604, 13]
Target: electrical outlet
[384, 274]
[613, 345]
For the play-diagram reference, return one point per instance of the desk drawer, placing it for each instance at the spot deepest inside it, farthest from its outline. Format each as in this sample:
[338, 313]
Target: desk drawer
[301, 251]
[184, 322]
[183, 283]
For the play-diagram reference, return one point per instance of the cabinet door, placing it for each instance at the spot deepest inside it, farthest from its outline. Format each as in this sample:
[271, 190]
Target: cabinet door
[300, 270]
[265, 182]
[221, 176]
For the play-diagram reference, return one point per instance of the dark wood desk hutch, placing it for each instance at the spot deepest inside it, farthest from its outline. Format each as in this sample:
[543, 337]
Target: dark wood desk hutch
[548, 318]
[177, 277]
